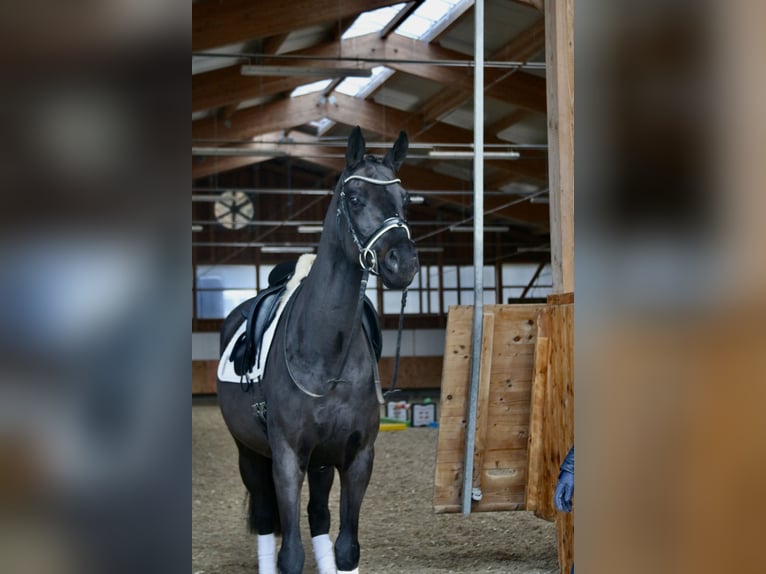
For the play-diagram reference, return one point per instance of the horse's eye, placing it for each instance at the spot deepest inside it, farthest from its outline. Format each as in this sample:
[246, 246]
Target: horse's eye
[354, 200]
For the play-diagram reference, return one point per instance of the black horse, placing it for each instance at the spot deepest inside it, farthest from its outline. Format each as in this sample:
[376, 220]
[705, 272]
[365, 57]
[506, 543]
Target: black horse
[319, 382]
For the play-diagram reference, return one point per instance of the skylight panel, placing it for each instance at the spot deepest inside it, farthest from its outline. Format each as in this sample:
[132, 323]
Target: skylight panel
[312, 87]
[426, 17]
[362, 87]
[415, 26]
[372, 21]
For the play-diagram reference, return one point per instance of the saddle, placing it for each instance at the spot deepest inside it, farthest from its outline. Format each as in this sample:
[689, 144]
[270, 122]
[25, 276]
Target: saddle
[260, 312]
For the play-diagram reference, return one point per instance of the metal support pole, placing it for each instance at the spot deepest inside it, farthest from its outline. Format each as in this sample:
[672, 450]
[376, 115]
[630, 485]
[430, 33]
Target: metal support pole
[478, 252]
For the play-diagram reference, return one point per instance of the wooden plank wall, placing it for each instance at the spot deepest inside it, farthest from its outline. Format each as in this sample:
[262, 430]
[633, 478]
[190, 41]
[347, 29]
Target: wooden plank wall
[414, 373]
[503, 416]
[204, 377]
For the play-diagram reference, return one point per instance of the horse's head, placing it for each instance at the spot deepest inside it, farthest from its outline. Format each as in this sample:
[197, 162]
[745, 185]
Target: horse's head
[373, 206]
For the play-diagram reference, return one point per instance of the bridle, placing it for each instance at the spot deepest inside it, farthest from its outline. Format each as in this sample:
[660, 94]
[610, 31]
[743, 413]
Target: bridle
[368, 258]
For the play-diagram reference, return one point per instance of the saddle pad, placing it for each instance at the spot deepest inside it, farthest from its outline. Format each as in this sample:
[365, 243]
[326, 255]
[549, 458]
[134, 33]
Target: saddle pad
[226, 372]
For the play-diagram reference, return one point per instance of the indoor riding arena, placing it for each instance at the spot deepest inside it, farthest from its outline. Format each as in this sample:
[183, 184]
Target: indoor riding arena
[459, 233]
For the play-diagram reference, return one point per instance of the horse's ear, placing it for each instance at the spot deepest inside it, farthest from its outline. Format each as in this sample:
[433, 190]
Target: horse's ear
[355, 149]
[395, 156]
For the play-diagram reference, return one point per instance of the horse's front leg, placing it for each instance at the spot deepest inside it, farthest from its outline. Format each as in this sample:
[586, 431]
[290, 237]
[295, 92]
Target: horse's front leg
[320, 483]
[288, 471]
[354, 480]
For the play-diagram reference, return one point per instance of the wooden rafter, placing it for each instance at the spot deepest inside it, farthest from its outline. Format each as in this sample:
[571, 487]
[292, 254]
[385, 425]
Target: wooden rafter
[217, 24]
[519, 88]
[245, 124]
[227, 86]
[291, 112]
[222, 87]
[206, 166]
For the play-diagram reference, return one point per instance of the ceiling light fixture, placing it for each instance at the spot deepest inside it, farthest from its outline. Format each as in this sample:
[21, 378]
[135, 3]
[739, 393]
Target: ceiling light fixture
[287, 249]
[430, 249]
[417, 199]
[438, 154]
[310, 229]
[236, 151]
[252, 70]
[488, 228]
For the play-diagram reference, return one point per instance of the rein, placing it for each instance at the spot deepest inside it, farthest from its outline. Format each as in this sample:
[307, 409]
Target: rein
[368, 260]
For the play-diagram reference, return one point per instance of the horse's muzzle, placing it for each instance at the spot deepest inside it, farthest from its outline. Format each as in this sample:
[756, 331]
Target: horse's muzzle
[399, 265]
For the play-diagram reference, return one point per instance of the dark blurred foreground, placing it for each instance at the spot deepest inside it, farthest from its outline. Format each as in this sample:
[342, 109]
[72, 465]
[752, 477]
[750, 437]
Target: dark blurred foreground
[670, 306]
[94, 295]
[670, 279]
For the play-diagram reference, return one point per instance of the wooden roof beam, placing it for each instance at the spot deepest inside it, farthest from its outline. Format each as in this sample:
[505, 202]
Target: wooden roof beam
[245, 124]
[217, 24]
[500, 83]
[227, 86]
[388, 121]
[204, 166]
[518, 88]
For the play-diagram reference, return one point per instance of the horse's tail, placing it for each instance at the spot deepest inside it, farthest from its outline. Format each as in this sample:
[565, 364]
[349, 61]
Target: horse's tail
[252, 516]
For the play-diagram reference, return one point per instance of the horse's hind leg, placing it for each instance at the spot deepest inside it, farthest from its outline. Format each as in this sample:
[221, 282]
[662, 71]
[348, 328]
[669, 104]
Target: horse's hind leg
[320, 483]
[354, 480]
[263, 516]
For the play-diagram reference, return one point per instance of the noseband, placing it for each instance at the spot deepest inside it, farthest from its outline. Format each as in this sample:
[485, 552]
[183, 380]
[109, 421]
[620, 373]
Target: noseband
[368, 258]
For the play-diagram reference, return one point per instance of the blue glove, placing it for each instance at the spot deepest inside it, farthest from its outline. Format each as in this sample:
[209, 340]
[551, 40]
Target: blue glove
[565, 487]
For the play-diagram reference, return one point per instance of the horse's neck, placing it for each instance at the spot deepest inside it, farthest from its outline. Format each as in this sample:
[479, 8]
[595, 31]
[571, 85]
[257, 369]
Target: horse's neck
[330, 293]
[333, 283]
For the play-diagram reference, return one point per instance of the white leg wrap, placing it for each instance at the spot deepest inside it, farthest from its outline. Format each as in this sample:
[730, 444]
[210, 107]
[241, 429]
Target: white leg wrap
[354, 571]
[267, 556]
[324, 554]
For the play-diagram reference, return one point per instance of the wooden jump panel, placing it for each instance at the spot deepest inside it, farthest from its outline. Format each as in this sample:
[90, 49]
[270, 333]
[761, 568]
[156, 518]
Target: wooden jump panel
[503, 410]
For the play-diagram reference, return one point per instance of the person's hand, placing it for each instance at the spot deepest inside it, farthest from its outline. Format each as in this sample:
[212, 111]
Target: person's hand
[564, 491]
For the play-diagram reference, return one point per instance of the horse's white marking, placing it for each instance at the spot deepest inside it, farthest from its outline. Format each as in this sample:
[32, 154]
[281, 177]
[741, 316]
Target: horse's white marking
[267, 557]
[324, 554]
[226, 372]
[354, 571]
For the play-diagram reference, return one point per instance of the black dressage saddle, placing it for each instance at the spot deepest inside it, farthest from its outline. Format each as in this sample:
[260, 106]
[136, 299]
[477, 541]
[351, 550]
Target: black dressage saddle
[260, 311]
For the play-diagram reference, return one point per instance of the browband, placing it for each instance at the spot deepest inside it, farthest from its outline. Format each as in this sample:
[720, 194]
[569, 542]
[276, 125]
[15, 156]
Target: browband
[371, 180]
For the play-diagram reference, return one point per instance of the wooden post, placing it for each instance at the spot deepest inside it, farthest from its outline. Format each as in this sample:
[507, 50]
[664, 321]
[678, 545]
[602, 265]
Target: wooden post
[559, 57]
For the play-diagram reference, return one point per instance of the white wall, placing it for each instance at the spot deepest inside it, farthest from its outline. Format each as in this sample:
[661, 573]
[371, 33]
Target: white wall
[415, 343]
